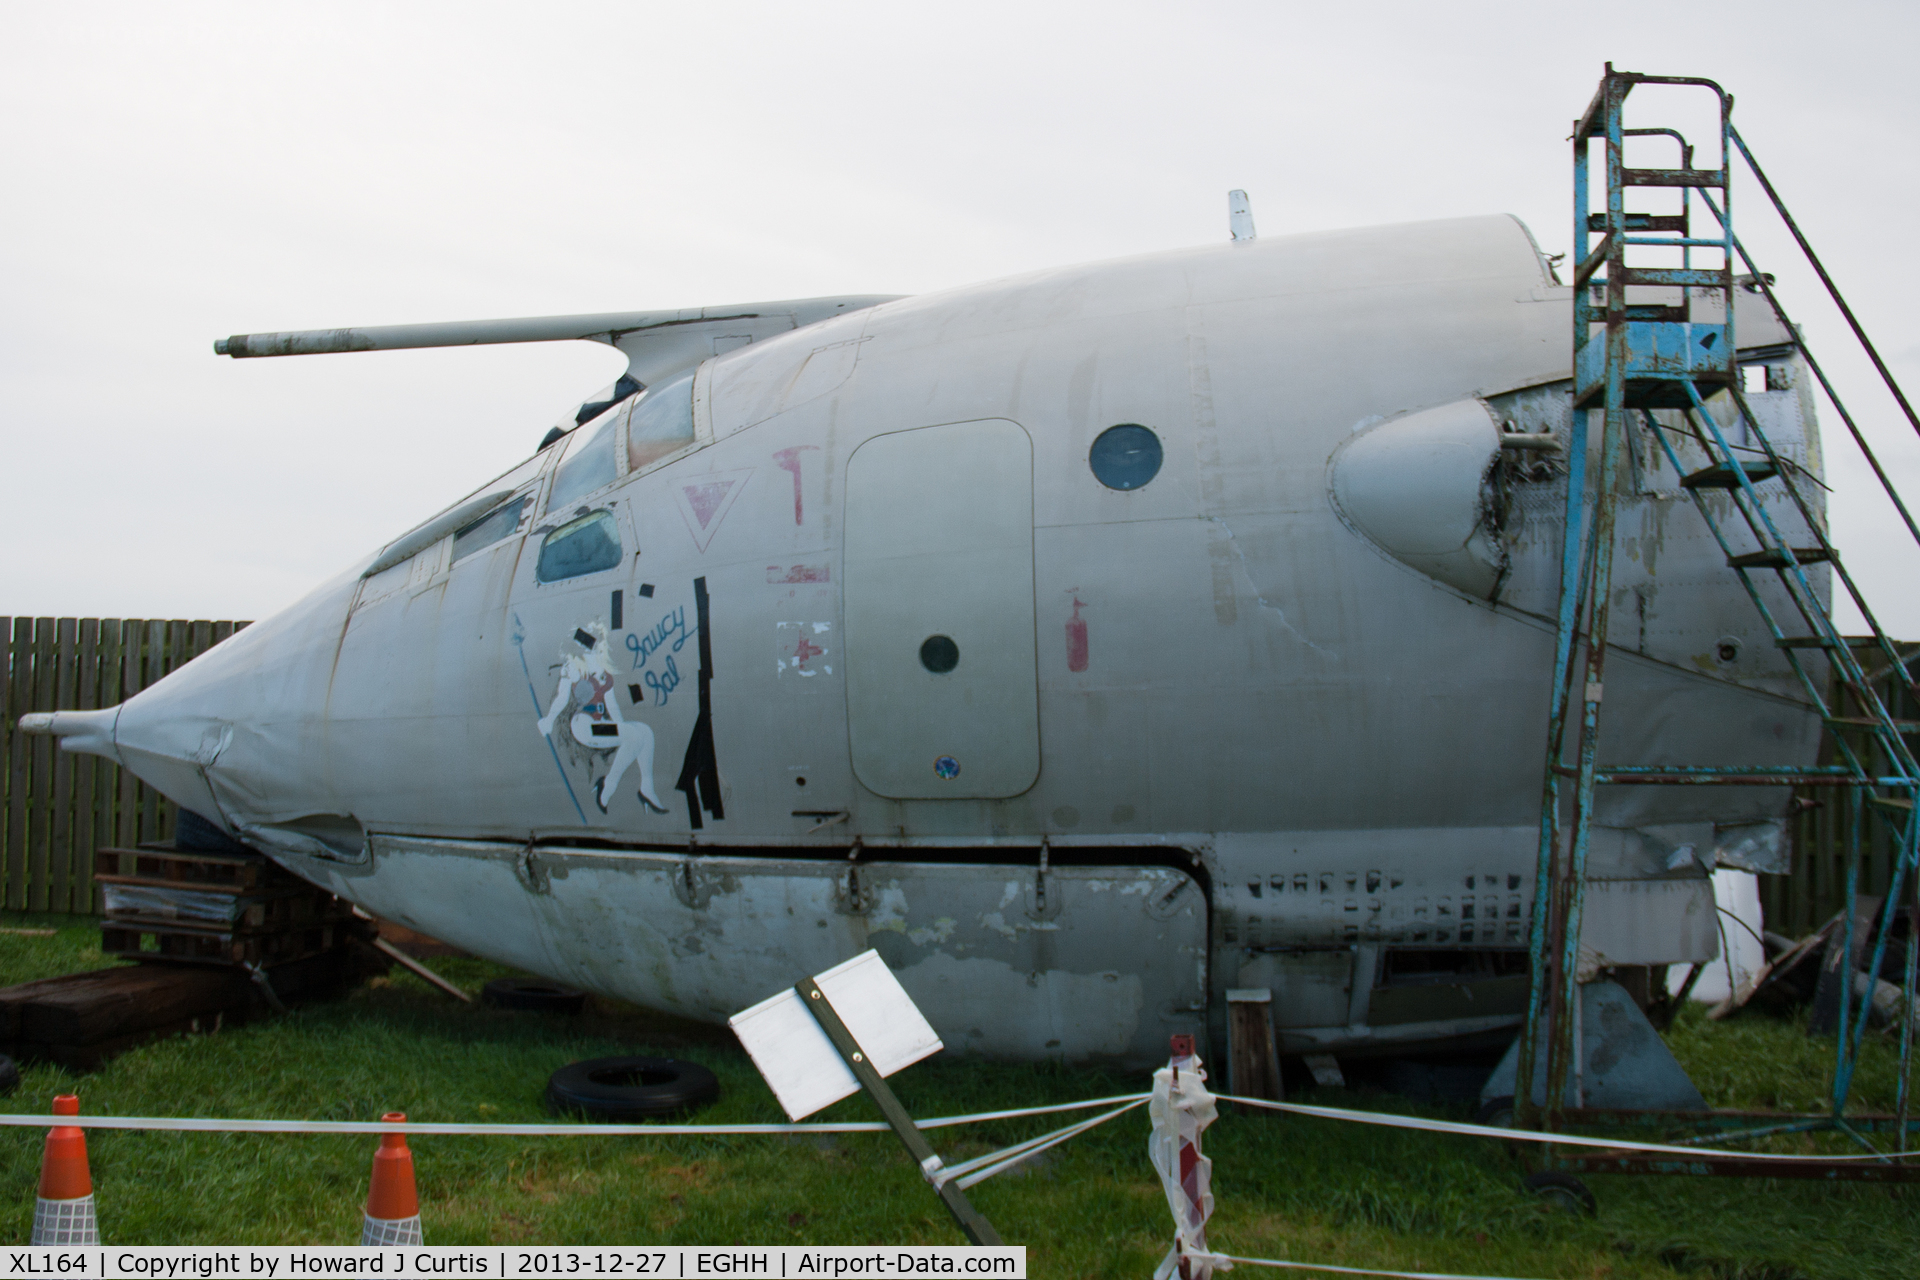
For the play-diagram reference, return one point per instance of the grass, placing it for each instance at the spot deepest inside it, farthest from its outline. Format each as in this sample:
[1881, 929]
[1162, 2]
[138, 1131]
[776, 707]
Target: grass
[1285, 1186]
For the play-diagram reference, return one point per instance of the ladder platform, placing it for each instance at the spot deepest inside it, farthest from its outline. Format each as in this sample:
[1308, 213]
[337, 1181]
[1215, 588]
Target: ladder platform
[1777, 559]
[1720, 476]
[1662, 358]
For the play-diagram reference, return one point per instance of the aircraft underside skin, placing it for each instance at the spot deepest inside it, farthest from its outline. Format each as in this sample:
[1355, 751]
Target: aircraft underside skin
[1273, 718]
[1089, 964]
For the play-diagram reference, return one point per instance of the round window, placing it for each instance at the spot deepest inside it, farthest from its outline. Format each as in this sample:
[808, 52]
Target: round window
[1126, 456]
[939, 654]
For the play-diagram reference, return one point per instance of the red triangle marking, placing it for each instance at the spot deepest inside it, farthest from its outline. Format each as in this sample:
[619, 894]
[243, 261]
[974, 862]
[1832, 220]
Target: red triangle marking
[705, 499]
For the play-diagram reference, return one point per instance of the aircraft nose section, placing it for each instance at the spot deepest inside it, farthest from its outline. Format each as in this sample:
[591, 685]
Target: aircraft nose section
[87, 732]
[237, 734]
[165, 746]
[165, 749]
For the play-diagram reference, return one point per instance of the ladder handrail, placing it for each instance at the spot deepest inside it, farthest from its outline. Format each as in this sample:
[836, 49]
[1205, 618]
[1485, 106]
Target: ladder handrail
[1833, 554]
[1817, 699]
[1800, 344]
[1820, 269]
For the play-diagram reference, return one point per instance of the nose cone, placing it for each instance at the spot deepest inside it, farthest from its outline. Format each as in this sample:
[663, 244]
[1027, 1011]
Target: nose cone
[88, 732]
[1418, 486]
[170, 750]
[237, 735]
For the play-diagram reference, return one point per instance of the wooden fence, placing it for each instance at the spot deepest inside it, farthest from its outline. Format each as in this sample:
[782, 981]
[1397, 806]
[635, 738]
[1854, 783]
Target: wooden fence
[1797, 904]
[58, 806]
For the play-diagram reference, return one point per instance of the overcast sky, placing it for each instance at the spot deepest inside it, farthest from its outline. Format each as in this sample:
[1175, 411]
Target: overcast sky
[175, 173]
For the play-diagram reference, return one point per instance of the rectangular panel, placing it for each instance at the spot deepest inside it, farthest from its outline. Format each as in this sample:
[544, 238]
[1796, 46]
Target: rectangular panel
[799, 1060]
[942, 700]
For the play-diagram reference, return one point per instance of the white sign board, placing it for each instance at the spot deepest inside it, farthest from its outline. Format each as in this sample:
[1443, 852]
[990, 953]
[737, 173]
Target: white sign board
[793, 1052]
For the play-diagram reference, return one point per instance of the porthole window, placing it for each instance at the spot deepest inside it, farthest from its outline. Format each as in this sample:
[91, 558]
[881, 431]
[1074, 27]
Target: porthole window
[939, 654]
[586, 545]
[1126, 456]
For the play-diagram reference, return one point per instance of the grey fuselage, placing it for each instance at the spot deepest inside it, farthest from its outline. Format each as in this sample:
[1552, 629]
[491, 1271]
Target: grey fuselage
[1275, 718]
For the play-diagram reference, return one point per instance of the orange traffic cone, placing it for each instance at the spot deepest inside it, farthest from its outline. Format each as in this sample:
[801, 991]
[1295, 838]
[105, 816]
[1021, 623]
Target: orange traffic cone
[393, 1206]
[64, 1212]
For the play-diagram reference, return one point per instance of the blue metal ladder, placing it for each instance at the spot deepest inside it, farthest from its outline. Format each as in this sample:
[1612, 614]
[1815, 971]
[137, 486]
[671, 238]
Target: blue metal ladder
[1652, 342]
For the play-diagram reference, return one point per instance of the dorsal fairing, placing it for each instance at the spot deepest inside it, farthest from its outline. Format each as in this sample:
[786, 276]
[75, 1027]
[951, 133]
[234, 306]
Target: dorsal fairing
[657, 344]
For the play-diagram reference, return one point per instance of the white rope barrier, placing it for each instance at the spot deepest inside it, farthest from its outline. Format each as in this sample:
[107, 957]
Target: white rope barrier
[1007, 1157]
[196, 1124]
[1393, 1121]
[1324, 1266]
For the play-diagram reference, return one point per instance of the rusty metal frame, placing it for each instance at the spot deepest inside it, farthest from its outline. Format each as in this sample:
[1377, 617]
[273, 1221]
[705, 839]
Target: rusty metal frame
[1647, 357]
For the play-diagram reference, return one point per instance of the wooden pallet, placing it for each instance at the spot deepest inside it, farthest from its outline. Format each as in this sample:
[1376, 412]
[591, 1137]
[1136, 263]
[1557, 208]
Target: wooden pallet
[260, 913]
[201, 944]
[151, 864]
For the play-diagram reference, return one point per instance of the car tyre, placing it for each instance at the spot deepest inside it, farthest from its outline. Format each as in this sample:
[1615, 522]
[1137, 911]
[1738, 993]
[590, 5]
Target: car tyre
[619, 1090]
[536, 995]
[1496, 1113]
[9, 1076]
[1562, 1191]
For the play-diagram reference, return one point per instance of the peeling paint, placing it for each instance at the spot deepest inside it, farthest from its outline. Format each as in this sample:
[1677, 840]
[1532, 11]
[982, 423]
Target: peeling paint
[939, 931]
[997, 922]
[889, 911]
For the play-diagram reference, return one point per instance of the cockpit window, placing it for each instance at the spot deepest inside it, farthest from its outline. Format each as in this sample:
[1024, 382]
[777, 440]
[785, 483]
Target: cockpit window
[489, 528]
[586, 545]
[662, 423]
[589, 463]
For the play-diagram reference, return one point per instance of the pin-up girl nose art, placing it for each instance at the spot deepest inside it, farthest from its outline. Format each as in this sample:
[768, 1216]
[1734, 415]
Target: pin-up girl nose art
[587, 681]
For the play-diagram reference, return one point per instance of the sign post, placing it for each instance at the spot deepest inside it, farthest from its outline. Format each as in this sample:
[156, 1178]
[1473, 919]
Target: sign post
[842, 1031]
[977, 1229]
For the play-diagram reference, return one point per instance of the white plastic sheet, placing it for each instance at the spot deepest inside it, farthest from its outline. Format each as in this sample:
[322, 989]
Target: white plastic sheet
[201, 906]
[1181, 1108]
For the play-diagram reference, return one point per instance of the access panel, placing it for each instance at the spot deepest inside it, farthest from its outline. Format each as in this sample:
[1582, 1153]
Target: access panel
[942, 700]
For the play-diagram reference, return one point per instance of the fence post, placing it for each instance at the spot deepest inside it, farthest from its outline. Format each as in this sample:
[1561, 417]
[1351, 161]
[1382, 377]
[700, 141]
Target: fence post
[60, 813]
[56, 808]
[39, 796]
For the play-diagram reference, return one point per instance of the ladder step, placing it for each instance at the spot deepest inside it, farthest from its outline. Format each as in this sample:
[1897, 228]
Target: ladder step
[1868, 722]
[1720, 476]
[1642, 222]
[1673, 177]
[1821, 642]
[1696, 277]
[1776, 559]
